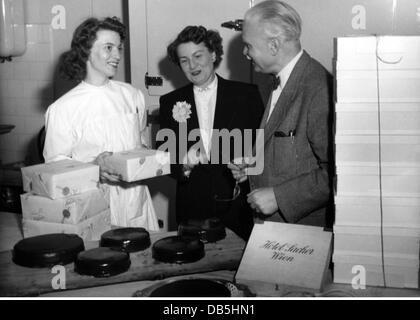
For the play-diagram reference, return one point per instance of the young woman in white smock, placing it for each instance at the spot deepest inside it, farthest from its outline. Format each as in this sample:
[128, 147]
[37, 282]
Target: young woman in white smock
[100, 116]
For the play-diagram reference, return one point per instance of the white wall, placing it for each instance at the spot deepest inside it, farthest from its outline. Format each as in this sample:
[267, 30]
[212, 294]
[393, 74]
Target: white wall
[29, 83]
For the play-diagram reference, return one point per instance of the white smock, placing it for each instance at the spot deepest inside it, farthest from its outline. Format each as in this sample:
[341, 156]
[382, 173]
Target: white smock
[89, 120]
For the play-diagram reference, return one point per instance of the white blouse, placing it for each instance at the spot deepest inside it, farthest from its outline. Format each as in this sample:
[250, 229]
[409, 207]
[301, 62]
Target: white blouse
[89, 120]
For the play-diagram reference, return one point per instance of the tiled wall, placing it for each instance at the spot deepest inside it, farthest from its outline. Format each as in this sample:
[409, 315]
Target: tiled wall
[29, 83]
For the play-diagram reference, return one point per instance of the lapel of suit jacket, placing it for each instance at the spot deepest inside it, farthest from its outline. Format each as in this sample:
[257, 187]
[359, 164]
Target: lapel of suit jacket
[266, 112]
[187, 95]
[193, 121]
[283, 104]
[223, 112]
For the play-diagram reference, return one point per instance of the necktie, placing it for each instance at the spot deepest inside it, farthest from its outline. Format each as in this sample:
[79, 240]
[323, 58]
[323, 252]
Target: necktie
[275, 82]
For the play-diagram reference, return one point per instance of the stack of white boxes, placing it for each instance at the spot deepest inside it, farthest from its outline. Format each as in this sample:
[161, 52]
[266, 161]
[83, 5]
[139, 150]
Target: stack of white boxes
[64, 197]
[362, 63]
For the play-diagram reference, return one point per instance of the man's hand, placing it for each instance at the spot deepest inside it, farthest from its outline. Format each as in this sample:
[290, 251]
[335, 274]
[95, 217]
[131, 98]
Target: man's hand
[263, 200]
[239, 168]
[238, 173]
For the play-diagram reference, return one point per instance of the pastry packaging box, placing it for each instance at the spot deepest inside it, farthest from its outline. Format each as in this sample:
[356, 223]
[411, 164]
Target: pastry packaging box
[394, 241]
[139, 164]
[390, 181]
[90, 229]
[360, 52]
[360, 61]
[366, 211]
[358, 86]
[69, 210]
[60, 179]
[399, 271]
[396, 277]
[402, 119]
[283, 256]
[362, 258]
[364, 149]
[377, 256]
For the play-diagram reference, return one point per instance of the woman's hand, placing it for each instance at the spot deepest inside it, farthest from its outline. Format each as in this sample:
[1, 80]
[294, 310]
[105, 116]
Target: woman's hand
[238, 167]
[105, 174]
[145, 146]
[193, 157]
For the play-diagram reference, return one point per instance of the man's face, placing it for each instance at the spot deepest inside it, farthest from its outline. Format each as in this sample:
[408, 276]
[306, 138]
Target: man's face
[197, 63]
[105, 55]
[256, 46]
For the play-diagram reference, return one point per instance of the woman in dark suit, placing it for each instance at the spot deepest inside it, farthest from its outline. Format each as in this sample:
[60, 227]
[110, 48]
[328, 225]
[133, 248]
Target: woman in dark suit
[205, 186]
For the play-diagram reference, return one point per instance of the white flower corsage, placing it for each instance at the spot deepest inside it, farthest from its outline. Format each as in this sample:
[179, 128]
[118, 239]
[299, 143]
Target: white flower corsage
[181, 111]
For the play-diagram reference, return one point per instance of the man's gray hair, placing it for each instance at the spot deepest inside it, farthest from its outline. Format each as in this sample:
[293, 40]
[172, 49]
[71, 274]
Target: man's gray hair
[279, 19]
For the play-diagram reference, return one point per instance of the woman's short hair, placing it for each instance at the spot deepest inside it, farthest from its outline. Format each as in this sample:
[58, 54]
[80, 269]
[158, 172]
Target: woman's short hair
[73, 62]
[197, 34]
[279, 18]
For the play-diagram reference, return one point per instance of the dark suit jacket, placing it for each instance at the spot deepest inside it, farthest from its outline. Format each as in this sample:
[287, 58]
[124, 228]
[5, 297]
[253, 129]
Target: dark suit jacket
[300, 167]
[238, 105]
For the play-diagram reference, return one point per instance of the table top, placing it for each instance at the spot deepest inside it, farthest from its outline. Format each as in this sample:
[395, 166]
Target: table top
[16, 280]
[221, 260]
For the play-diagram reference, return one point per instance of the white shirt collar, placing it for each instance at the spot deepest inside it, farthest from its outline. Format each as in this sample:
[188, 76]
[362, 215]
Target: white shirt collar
[105, 85]
[212, 85]
[284, 74]
[205, 102]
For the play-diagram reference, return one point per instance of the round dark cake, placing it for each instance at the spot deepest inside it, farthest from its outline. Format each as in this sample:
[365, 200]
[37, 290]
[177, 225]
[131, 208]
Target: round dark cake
[177, 249]
[192, 288]
[126, 239]
[47, 250]
[209, 230]
[102, 262]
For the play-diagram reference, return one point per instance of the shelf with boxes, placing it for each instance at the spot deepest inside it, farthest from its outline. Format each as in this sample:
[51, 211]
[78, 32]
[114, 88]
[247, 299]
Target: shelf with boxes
[377, 150]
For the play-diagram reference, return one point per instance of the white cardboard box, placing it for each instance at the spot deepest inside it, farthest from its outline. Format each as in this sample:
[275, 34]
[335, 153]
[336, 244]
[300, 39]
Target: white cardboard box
[360, 52]
[395, 181]
[139, 164]
[397, 277]
[69, 210]
[60, 178]
[395, 86]
[365, 211]
[373, 258]
[285, 255]
[397, 242]
[362, 119]
[362, 149]
[89, 230]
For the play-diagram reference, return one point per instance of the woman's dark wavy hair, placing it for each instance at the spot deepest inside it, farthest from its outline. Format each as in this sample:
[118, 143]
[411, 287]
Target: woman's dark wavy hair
[73, 62]
[197, 34]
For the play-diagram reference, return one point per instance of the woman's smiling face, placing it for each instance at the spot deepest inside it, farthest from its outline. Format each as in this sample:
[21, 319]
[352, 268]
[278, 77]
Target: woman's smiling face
[197, 63]
[104, 56]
